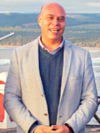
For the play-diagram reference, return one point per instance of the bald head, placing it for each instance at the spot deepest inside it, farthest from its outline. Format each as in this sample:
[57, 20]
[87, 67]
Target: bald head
[50, 6]
[52, 20]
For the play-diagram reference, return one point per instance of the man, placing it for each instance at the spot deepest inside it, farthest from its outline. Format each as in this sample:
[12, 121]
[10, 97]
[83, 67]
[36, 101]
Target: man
[50, 86]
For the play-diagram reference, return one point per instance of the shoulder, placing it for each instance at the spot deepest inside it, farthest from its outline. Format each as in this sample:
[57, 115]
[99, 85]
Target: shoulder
[75, 49]
[27, 47]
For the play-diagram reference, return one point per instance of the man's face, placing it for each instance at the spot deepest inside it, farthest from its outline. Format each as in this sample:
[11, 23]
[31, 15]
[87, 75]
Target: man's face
[52, 22]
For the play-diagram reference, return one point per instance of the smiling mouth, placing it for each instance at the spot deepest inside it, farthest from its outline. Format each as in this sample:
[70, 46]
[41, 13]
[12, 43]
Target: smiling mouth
[54, 30]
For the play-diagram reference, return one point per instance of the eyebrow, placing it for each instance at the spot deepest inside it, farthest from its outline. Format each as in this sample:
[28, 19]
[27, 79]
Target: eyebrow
[54, 15]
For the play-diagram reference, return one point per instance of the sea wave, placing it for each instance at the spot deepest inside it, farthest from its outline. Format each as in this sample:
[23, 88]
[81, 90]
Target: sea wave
[96, 66]
[96, 60]
[97, 78]
[94, 51]
[4, 62]
[97, 74]
[3, 48]
[3, 76]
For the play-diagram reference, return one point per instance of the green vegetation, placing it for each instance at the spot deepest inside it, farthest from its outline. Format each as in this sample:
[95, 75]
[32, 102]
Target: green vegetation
[84, 35]
[81, 29]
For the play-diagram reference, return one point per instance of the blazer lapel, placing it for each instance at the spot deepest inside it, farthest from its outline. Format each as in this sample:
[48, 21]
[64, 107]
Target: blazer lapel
[35, 67]
[66, 66]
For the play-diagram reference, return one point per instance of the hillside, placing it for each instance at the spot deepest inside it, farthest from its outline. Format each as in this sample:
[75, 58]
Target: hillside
[81, 29]
[30, 20]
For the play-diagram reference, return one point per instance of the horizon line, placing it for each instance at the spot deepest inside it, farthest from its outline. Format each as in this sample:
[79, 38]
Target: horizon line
[39, 12]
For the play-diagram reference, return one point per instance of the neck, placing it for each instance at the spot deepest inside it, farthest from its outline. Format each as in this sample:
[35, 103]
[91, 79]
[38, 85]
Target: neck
[51, 45]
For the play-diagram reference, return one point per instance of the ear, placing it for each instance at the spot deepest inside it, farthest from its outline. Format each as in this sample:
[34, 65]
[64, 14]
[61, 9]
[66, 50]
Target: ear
[39, 20]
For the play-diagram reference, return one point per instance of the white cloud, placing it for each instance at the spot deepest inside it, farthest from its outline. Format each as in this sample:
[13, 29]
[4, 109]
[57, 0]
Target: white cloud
[94, 4]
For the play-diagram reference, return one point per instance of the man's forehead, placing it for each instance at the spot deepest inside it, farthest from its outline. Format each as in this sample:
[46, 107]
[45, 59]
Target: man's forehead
[53, 8]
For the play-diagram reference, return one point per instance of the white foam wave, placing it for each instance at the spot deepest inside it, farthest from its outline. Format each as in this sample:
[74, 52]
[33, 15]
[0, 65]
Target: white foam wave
[3, 76]
[93, 59]
[97, 78]
[96, 60]
[94, 51]
[4, 62]
[96, 67]
[97, 74]
[3, 48]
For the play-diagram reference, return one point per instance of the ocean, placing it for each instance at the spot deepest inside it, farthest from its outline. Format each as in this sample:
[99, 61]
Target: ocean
[5, 56]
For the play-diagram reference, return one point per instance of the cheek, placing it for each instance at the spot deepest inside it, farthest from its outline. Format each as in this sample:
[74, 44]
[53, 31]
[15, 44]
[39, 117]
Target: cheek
[45, 25]
[63, 28]
[63, 25]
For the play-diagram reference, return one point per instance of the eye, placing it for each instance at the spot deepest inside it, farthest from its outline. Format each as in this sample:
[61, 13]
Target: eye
[61, 19]
[50, 17]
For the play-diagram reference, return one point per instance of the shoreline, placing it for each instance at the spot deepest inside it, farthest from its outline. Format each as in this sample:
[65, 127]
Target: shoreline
[88, 48]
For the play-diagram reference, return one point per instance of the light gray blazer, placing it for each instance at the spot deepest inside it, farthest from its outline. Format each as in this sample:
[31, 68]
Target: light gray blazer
[24, 97]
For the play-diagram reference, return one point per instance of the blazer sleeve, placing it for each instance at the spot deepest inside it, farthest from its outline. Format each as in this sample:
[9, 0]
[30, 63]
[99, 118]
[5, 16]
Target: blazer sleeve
[88, 102]
[13, 97]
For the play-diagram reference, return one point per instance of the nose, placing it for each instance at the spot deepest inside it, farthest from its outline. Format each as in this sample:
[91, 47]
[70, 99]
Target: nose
[56, 21]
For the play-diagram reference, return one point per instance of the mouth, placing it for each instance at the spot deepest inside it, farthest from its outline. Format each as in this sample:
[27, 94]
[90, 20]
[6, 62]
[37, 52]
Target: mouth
[55, 30]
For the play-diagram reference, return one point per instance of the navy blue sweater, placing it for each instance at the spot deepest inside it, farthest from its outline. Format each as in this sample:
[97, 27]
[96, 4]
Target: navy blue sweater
[51, 73]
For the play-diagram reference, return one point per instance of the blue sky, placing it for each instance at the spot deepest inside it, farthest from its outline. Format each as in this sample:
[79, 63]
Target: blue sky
[34, 6]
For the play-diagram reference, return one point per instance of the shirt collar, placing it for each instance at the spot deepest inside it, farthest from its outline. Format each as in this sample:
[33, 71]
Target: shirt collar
[54, 51]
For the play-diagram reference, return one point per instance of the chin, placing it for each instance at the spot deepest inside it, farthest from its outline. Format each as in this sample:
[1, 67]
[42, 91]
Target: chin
[55, 37]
